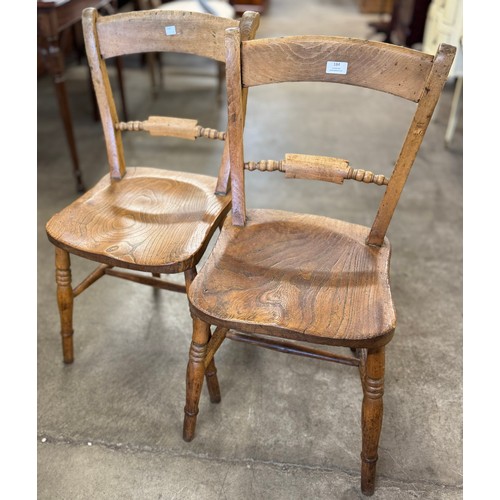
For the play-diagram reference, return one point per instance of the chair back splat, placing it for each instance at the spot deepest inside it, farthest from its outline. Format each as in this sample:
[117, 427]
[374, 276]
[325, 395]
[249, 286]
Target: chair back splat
[138, 223]
[294, 281]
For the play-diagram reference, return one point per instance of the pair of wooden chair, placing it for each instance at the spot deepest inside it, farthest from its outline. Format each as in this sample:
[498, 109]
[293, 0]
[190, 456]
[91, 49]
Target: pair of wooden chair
[277, 279]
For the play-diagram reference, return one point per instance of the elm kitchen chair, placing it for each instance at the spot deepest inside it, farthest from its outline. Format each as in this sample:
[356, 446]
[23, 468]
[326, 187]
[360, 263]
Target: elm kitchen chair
[293, 281]
[138, 223]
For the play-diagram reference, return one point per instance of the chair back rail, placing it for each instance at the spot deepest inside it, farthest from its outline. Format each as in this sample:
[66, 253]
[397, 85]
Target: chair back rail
[164, 31]
[392, 69]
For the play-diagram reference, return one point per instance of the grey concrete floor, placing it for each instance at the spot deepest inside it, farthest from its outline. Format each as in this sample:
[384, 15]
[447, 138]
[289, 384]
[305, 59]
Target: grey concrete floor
[109, 426]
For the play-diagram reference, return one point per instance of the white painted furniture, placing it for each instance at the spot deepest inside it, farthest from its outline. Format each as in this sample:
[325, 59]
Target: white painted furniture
[444, 24]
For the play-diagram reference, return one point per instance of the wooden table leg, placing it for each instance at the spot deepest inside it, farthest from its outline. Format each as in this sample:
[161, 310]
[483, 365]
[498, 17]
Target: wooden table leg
[62, 98]
[454, 112]
[54, 60]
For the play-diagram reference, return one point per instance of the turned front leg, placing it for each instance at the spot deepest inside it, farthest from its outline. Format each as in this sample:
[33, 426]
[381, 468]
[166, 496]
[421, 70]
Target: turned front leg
[65, 300]
[371, 416]
[194, 375]
[211, 370]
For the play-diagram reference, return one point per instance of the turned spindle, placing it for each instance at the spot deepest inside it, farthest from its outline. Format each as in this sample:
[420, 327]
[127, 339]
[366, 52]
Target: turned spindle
[166, 126]
[360, 175]
[321, 168]
[265, 165]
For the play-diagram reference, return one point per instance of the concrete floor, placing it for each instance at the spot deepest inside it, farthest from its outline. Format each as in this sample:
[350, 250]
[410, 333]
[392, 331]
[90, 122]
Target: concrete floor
[110, 425]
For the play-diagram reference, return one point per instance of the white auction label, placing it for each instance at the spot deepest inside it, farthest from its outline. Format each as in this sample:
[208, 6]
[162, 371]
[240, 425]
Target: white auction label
[336, 67]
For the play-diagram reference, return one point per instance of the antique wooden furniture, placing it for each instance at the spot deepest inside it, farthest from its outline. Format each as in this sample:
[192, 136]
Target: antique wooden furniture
[53, 17]
[444, 23]
[220, 8]
[139, 223]
[292, 281]
[375, 6]
[259, 6]
[407, 22]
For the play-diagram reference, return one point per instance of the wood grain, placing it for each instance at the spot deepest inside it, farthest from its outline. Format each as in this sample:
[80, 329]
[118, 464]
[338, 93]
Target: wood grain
[104, 95]
[152, 220]
[297, 276]
[144, 31]
[392, 69]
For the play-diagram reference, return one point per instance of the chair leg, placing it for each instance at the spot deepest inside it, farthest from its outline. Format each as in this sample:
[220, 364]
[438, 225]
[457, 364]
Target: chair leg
[151, 61]
[221, 77]
[210, 371]
[452, 121]
[65, 300]
[371, 416]
[194, 375]
[159, 61]
[212, 382]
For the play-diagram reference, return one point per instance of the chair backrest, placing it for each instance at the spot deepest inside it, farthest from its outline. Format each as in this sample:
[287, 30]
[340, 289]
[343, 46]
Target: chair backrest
[406, 73]
[152, 31]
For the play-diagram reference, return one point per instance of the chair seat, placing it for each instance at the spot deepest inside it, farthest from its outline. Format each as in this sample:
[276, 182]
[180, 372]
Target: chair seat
[221, 9]
[302, 277]
[152, 220]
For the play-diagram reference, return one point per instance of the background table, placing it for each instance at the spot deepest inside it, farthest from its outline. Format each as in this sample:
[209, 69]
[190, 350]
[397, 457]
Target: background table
[53, 17]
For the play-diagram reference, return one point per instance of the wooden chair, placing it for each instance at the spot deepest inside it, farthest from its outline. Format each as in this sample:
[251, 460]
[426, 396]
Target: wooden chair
[220, 8]
[141, 222]
[293, 281]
